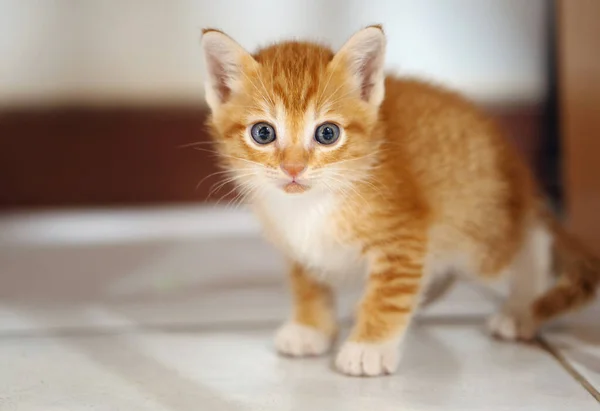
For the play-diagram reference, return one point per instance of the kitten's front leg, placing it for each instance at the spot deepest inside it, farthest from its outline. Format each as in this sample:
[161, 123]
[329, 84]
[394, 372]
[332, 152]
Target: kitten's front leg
[312, 328]
[385, 312]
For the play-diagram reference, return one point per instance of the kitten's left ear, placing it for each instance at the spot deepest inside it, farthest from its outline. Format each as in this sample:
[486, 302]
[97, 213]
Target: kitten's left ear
[363, 55]
[225, 61]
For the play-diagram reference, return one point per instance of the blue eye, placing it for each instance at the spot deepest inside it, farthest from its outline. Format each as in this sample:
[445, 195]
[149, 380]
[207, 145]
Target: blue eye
[327, 133]
[263, 133]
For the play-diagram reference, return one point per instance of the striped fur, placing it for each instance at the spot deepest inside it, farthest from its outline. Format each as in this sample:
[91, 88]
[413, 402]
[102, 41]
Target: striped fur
[420, 184]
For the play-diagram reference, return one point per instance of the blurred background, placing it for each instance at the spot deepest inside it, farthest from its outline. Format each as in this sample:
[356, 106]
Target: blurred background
[124, 286]
[97, 97]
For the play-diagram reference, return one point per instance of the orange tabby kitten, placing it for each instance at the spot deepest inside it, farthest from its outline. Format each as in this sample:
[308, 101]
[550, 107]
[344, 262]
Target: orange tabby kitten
[355, 173]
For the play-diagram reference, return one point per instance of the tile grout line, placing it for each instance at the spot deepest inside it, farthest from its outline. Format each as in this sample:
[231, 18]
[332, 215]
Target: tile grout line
[565, 364]
[569, 368]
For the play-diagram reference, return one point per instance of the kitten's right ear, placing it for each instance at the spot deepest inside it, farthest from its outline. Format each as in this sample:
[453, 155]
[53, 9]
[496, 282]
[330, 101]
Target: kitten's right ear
[225, 59]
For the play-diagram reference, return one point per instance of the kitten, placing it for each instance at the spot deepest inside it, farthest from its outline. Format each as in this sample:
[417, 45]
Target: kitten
[352, 172]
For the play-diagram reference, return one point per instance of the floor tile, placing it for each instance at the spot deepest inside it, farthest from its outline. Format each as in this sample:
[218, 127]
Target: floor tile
[185, 323]
[447, 365]
[577, 339]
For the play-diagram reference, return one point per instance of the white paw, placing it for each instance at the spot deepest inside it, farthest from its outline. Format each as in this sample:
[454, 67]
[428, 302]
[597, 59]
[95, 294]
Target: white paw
[366, 359]
[512, 327]
[299, 340]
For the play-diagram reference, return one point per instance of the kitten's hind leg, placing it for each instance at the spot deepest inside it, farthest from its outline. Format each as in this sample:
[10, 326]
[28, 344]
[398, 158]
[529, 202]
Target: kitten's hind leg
[529, 276]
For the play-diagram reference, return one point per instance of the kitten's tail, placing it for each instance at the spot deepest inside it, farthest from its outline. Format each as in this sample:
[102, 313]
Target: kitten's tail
[578, 270]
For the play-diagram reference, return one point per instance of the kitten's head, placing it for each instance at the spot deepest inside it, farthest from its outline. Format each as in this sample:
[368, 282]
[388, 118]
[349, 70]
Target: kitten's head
[295, 116]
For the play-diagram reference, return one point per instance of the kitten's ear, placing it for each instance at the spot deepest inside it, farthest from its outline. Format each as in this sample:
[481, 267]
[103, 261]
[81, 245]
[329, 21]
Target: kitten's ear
[363, 55]
[225, 59]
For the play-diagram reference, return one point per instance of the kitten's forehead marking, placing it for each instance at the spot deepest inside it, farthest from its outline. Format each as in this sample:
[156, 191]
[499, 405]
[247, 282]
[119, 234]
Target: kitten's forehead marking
[282, 126]
[297, 128]
[290, 126]
[310, 120]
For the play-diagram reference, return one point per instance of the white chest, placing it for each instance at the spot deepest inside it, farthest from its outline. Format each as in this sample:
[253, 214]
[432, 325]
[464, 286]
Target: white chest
[306, 226]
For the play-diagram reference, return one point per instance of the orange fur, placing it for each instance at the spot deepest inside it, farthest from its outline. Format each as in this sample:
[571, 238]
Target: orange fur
[420, 181]
[313, 301]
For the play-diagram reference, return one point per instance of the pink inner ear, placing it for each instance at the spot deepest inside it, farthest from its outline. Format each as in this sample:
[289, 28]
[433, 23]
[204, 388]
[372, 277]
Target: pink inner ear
[219, 79]
[366, 88]
[366, 72]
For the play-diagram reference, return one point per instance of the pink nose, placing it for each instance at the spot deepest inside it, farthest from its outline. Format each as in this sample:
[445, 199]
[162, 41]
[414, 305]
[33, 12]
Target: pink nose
[293, 169]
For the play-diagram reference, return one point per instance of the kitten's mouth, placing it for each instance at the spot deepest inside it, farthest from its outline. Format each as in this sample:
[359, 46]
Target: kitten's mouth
[294, 188]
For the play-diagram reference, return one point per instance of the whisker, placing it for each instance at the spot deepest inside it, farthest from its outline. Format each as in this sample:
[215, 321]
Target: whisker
[226, 194]
[229, 156]
[266, 91]
[241, 197]
[322, 93]
[373, 153]
[256, 87]
[345, 193]
[235, 198]
[222, 183]
[218, 185]
[217, 173]
[342, 97]
[248, 107]
[363, 180]
[253, 190]
[354, 190]
[197, 143]
[211, 175]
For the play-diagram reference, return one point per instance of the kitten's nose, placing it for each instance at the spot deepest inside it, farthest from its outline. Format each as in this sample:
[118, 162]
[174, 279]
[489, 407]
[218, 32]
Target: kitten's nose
[293, 169]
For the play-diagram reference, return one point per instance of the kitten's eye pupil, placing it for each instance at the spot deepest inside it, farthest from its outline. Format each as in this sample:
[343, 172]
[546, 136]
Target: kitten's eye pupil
[327, 133]
[263, 133]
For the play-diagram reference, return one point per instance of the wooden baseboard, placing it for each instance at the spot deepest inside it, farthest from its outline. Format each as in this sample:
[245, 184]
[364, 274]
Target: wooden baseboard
[73, 157]
[579, 101]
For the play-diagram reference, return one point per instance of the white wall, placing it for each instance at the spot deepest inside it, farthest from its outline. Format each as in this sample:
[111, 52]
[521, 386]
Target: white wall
[147, 51]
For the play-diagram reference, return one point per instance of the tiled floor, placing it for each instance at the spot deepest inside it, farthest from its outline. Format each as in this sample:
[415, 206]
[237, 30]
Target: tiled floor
[174, 310]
